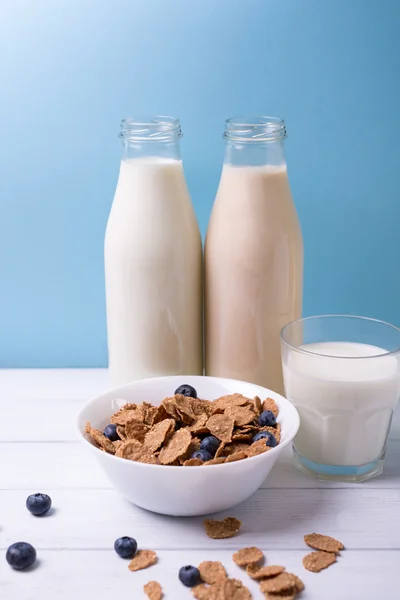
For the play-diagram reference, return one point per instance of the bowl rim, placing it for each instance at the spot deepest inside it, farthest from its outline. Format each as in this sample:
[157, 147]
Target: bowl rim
[116, 390]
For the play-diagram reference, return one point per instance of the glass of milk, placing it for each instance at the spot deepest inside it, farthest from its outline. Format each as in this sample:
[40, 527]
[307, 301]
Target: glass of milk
[343, 375]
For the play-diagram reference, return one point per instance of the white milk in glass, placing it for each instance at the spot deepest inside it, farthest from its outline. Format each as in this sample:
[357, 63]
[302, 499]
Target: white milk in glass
[345, 404]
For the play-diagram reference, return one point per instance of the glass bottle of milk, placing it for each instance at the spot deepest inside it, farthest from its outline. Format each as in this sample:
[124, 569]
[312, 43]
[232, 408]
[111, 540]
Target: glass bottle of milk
[253, 256]
[153, 259]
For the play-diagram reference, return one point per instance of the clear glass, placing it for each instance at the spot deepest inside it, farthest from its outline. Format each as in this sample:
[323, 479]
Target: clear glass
[343, 375]
[253, 256]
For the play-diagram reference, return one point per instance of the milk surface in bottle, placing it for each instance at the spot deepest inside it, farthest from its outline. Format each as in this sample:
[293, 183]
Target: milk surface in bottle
[253, 256]
[153, 259]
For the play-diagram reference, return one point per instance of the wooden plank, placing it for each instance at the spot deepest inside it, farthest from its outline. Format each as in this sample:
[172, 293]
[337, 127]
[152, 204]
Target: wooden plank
[71, 465]
[101, 575]
[53, 384]
[272, 519]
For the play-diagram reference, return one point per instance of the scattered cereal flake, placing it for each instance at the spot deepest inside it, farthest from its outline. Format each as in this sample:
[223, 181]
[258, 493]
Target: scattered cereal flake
[142, 560]
[215, 461]
[299, 585]
[135, 430]
[248, 556]
[289, 594]
[157, 435]
[201, 592]
[193, 462]
[230, 400]
[257, 448]
[282, 582]
[236, 456]
[212, 571]
[134, 450]
[323, 542]
[229, 589]
[270, 404]
[101, 440]
[219, 530]
[256, 572]
[316, 561]
[153, 590]
[175, 447]
[240, 414]
[221, 426]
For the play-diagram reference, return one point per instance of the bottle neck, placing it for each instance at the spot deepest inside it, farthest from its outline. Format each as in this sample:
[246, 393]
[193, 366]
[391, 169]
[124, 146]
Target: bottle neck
[167, 150]
[255, 141]
[255, 154]
[147, 137]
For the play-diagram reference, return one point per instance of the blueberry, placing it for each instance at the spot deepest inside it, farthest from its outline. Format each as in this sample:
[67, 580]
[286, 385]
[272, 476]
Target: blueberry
[189, 576]
[38, 504]
[111, 433]
[202, 455]
[125, 547]
[186, 390]
[270, 439]
[210, 444]
[267, 419]
[21, 555]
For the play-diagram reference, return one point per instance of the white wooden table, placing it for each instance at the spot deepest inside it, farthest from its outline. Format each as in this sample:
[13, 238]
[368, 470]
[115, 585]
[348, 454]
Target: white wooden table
[39, 452]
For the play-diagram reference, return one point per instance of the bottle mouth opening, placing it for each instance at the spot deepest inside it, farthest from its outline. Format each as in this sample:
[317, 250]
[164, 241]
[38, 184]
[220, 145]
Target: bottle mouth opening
[157, 128]
[255, 129]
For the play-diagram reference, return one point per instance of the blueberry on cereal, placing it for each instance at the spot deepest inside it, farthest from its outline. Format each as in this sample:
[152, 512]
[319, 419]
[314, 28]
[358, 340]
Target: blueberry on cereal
[111, 433]
[186, 390]
[270, 439]
[210, 444]
[125, 547]
[202, 455]
[189, 576]
[267, 419]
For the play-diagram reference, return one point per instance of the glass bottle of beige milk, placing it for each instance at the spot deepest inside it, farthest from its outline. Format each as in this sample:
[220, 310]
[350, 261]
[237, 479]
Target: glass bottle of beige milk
[253, 256]
[153, 259]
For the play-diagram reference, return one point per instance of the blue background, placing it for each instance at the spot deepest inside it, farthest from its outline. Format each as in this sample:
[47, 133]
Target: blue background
[71, 69]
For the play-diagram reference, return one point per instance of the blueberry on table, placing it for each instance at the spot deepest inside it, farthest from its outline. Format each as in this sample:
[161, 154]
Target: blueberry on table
[38, 504]
[267, 419]
[189, 576]
[202, 455]
[210, 444]
[186, 390]
[21, 555]
[125, 547]
[111, 433]
[270, 439]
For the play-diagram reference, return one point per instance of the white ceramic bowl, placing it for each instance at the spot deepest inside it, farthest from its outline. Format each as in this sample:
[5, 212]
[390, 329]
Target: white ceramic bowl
[185, 491]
